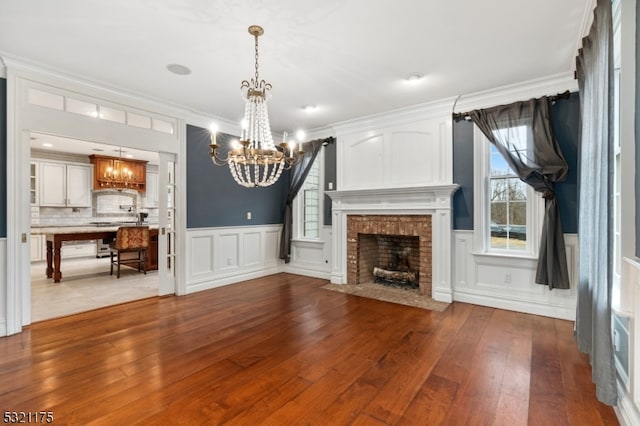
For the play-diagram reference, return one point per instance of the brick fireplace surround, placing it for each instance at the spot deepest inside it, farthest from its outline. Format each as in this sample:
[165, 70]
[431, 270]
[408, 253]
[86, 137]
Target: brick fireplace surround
[376, 208]
[388, 225]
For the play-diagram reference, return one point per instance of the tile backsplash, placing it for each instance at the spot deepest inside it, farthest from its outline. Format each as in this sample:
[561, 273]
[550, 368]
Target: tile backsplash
[107, 206]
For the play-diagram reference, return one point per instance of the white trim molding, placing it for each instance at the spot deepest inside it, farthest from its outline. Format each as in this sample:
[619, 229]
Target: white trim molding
[546, 86]
[3, 284]
[227, 255]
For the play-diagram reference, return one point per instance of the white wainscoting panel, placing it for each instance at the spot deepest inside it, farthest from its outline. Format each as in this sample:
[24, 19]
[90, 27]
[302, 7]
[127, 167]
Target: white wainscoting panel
[312, 258]
[3, 286]
[221, 256]
[252, 249]
[203, 263]
[508, 282]
[408, 167]
[227, 252]
[365, 154]
[399, 150]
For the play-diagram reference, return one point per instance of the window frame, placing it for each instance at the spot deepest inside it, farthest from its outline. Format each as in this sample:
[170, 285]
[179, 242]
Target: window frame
[298, 205]
[482, 207]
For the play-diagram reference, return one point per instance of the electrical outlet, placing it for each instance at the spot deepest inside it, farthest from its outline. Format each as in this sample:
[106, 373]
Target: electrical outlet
[229, 260]
[248, 215]
[507, 278]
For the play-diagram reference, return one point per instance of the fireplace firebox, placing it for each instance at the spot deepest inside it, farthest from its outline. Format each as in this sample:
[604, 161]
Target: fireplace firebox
[396, 249]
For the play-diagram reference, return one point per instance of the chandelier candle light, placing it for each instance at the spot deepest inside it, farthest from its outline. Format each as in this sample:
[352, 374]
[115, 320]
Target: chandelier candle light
[255, 160]
[119, 176]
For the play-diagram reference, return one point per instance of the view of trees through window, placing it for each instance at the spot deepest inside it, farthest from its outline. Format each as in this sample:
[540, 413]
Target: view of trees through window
[311, 203]
[508, 206]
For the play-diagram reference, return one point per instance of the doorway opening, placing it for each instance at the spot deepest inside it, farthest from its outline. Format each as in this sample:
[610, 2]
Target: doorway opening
[65, 198]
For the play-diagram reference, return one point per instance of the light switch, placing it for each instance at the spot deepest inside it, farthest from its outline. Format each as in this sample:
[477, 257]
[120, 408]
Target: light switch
[248, 215]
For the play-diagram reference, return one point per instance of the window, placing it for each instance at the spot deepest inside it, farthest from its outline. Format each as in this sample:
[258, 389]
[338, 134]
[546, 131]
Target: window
[311, 203]
[507, 206]
[308, 204]
[508, 212]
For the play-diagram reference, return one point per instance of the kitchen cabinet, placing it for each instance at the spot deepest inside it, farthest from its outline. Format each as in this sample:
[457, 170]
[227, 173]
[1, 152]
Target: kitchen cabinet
[118, 173]
[37, 247]
[71, 249]
[151, 195]
[34, 190]
[65, 185]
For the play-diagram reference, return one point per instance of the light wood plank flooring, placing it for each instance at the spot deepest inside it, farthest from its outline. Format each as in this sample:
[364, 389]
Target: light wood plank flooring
[282, 351]
[85, 285]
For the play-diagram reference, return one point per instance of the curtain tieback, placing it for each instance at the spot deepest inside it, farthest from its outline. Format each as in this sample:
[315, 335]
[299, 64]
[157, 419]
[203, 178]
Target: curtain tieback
[548, 195]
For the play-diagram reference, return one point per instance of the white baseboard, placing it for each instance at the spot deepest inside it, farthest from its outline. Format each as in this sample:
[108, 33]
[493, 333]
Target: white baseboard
[511, 303]
[209, 284]
[3, 286]
[626, 410]
[308, 272]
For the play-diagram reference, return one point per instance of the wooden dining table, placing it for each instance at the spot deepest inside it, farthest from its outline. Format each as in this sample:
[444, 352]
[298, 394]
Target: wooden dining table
[56, 236]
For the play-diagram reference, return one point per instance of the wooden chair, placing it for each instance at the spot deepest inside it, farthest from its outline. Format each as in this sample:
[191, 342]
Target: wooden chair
[130, 239]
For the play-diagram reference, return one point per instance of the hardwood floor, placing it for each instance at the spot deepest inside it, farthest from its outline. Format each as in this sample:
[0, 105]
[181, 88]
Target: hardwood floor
[282, 351]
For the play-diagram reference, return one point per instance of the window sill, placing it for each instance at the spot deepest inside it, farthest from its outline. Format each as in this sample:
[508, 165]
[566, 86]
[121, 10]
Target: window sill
[493, 257]
[307, 242]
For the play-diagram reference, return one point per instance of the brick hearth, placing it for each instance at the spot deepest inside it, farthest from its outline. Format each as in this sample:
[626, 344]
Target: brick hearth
[393, 225]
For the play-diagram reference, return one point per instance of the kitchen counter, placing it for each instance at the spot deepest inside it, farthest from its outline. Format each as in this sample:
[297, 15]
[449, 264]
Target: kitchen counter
[55, 236]
[77, 229]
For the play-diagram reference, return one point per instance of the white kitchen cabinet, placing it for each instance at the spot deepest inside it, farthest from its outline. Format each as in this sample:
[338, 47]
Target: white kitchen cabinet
[34, 189]
[72, 249]
[65, 185]
[151, 194]
[37, 247]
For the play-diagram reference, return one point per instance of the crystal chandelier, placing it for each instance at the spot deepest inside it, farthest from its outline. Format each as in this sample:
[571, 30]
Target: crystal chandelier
[255, 160]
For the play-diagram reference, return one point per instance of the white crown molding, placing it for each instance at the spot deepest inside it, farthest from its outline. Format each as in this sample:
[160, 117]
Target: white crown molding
[23, 68]
[546, 86]
[436, 109]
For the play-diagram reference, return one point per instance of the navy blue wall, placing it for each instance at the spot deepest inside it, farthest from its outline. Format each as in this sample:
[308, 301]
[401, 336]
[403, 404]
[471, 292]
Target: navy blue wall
[565, 120]
[330, 175]
[463, 174]
[3, 157]
[214, 199]
[565, 116]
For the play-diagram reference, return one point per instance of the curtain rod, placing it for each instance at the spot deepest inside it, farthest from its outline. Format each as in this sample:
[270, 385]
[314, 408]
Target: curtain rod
[457, 116]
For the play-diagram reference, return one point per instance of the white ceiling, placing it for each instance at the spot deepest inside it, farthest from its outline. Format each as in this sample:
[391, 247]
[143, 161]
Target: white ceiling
[348, 57]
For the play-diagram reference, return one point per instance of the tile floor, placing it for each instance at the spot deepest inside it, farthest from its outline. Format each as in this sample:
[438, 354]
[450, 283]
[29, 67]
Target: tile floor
[85, 285]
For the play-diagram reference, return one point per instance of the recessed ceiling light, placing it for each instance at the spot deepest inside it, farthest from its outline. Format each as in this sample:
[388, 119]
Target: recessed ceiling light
[309, 108]
[414, 77]
[47, 145]
[178, 69]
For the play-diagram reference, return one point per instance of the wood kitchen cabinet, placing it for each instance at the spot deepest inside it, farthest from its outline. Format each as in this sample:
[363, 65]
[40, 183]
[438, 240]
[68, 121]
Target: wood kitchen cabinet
[65, 185]
[129, 174]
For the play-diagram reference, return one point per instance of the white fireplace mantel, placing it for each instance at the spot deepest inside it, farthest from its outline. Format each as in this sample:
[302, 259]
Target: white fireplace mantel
[434, 200]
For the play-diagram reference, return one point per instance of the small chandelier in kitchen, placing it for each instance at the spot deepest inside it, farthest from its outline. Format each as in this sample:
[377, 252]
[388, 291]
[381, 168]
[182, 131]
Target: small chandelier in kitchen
[119, 175]
[255, 160]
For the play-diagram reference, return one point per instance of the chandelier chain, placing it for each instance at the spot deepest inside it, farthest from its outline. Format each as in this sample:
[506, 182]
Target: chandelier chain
[257, 79]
